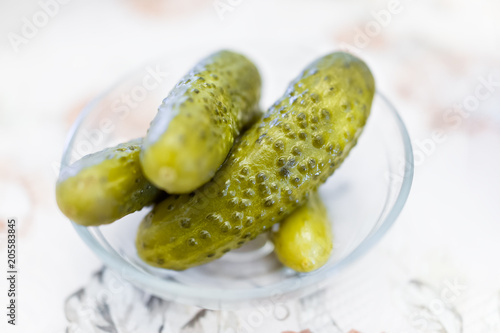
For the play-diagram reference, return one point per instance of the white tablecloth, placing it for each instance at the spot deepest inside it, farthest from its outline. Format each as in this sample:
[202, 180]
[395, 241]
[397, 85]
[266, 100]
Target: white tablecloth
[437, 268]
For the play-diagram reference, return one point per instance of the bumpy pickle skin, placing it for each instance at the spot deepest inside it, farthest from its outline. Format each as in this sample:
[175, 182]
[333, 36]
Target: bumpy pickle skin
[304, 240]
[103, 187]
[270, 171]
[197, 123]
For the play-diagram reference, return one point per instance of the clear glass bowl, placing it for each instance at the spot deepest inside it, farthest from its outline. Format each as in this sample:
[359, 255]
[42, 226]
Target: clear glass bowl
[364, 197]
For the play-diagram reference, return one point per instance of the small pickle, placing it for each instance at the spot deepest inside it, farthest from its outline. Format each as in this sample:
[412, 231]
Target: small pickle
[304, 239]
[304, 137]
[197, 123]
[103, 187]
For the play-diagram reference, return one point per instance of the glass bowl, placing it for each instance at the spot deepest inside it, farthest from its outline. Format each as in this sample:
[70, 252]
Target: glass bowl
[364, 196]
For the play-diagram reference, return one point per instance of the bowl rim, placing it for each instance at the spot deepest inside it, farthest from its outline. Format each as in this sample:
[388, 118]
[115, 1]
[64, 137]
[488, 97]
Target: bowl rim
[196, 296]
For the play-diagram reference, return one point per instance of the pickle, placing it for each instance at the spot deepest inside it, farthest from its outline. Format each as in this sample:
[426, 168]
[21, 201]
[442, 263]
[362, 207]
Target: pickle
[197, 123]
[105, 186]
[304, 239]
[270, 171]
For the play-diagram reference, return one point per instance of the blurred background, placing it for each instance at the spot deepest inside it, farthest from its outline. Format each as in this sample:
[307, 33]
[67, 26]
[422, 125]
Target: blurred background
[438, 61]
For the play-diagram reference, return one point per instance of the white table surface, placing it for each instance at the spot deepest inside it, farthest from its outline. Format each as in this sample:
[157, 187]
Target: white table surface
[427, 59]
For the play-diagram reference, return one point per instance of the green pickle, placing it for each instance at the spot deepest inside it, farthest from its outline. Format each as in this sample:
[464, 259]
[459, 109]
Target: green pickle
[197, 123]
[103, 187]
[270, 171]
[304, 240]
